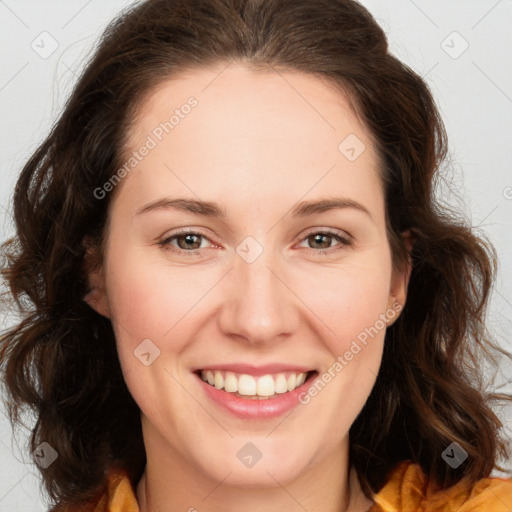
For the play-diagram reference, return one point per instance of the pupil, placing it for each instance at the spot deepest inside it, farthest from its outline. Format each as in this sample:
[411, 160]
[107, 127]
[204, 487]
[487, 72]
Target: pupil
[316, 237]
[188, 238]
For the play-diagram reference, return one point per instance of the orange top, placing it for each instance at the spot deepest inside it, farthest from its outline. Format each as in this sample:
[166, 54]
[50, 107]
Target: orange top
[407, 490]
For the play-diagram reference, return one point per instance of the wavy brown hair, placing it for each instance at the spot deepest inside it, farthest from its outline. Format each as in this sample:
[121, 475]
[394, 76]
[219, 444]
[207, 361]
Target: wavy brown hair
[60, 360]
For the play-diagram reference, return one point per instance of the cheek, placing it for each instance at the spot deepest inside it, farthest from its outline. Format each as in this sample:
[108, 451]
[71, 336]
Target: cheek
[349, 300]
[354, 308]
[150, 301]
[144, 305]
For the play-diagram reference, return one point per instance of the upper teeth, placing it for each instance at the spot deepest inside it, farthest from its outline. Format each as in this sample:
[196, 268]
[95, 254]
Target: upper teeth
[266, 385]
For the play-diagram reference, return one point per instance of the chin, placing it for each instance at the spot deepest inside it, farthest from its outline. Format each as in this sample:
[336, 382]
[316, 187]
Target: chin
[272, 474]
[270, 466]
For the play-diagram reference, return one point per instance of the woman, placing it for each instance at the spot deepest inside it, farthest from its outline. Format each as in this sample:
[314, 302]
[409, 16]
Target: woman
[239, 291]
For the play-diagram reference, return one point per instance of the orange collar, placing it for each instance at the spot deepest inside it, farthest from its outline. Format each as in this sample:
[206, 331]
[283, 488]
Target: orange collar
[407, 490]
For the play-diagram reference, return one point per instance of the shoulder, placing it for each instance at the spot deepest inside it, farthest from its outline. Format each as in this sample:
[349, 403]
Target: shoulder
[408, 490]
[119, 496]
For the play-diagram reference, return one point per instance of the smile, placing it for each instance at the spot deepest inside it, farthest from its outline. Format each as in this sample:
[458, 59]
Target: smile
[260, 396]
[247, 386]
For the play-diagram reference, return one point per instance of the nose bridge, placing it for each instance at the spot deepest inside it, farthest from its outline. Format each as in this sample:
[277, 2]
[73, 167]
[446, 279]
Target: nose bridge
[259, 305]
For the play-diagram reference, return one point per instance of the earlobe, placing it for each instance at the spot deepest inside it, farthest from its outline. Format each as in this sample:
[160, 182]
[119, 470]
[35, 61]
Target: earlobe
[400, 284]
[96, 297]
[97, 300]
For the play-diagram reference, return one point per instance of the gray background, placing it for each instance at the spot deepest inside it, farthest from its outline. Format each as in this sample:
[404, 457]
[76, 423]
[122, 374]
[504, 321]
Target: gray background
[472, 87]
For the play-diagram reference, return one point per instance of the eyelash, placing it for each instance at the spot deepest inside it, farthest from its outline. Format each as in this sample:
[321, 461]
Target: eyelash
[166, 242]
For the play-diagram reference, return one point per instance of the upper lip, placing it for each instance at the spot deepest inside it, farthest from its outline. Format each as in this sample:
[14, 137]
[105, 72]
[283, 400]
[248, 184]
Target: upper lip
[250, 369]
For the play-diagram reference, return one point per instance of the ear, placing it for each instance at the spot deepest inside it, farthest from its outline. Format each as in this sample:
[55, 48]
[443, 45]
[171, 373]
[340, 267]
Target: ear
[400, 280]
[96, 296]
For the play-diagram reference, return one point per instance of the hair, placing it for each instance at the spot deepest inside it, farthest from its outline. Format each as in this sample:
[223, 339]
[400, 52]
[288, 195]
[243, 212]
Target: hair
[60, 359]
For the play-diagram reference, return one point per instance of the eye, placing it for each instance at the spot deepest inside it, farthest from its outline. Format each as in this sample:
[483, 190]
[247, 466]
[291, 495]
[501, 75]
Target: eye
[188, 242]
[324, 238]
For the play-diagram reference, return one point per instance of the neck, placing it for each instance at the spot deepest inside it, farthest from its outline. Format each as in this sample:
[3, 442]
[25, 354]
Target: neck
[171, 483]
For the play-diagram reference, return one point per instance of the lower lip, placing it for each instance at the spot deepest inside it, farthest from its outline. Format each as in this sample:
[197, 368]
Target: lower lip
[247, 408]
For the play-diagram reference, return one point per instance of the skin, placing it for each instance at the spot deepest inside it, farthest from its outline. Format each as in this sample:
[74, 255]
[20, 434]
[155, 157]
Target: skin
[257, 143]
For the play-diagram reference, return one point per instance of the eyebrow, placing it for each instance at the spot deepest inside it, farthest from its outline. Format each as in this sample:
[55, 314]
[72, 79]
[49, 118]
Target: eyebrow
[210, 209]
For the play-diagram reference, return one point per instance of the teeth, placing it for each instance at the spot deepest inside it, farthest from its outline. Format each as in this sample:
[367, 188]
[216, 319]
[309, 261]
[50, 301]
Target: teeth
[280, 384]
[292, 381]
[231, 382]
[219, 380]
[247, 385]
[264, 387]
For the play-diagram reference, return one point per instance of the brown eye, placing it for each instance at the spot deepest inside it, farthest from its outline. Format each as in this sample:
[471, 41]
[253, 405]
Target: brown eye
[321, 241]
[188, 241]
[184, 242]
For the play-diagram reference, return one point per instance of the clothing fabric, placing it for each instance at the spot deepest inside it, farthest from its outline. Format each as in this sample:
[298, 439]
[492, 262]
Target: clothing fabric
[407, 490]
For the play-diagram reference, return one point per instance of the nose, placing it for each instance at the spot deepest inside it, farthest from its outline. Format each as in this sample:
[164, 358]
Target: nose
[259, 306]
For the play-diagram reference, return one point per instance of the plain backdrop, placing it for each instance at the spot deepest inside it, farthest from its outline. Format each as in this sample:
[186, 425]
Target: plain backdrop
[462, 49]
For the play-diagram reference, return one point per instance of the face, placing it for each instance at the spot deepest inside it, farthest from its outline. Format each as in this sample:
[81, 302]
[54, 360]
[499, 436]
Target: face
[258, 284]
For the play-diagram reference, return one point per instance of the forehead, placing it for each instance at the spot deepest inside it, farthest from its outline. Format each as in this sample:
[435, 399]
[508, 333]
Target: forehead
[265, 132]
[245, 103]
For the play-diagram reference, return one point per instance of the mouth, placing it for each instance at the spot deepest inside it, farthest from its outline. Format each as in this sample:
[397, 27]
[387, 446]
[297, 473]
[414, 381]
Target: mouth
[268, 386]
